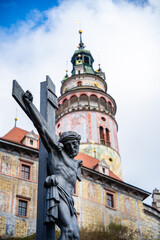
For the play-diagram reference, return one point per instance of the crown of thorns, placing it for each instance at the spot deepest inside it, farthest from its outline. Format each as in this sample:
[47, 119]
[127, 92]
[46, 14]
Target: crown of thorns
[70, 135]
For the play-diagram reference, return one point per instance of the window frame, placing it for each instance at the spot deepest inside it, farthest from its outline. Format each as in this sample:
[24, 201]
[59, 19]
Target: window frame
[25, 199]
[31, 142]
[112, 193]
[28, 164]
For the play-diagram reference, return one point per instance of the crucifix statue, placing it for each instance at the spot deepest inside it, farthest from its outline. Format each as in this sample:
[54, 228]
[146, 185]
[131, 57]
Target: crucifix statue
[58, 170]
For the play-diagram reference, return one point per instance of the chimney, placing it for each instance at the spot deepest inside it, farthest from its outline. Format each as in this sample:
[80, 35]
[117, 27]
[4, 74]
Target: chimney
[156, 199]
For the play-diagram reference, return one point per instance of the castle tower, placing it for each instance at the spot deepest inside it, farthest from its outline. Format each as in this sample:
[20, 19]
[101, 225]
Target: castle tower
[87, 108]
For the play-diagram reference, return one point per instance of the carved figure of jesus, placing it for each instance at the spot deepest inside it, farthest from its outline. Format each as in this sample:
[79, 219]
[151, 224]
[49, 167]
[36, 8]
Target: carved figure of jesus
[62, 172]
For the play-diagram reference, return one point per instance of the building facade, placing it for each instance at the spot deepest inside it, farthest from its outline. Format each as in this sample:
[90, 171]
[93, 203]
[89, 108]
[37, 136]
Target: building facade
[102, 196]
[18, 182]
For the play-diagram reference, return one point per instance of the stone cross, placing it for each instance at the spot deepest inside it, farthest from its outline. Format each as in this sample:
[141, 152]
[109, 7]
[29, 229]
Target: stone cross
[48, 104]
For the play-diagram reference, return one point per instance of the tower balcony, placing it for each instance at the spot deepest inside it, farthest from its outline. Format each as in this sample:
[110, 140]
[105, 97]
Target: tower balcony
[63, 111]
[86, 101]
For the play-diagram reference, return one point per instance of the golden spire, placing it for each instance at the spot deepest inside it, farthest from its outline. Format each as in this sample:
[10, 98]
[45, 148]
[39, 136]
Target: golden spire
[15, 121]
[81, 44]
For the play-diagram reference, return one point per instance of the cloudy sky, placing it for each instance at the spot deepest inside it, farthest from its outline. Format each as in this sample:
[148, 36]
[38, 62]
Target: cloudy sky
[38, 38]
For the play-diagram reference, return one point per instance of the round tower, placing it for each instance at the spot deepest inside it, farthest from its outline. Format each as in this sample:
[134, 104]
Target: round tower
[87, 108]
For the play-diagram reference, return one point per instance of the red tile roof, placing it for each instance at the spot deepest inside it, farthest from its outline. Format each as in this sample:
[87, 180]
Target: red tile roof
[91, 162]
[17, 134]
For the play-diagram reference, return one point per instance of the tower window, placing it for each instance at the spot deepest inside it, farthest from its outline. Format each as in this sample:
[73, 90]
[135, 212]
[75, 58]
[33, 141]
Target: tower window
[107, 138]
[31, 142]
[103, 169]
[22, 208]
[79, 83]
[86, 60]
[103, 119]
[79, 72]
[109, 107]
[101, 135]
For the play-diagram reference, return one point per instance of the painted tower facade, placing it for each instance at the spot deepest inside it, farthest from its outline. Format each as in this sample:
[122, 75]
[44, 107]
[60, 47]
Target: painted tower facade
[87, 108]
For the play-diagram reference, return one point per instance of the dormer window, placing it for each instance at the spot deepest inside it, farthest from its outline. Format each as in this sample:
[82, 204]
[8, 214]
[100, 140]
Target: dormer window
[30, 140]
[102, 167]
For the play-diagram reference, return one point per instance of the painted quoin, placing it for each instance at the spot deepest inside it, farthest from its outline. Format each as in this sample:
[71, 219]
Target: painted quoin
[86, 107]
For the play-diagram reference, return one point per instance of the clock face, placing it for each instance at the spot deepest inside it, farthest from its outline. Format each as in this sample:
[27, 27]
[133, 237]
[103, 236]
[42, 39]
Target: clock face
[96, 84]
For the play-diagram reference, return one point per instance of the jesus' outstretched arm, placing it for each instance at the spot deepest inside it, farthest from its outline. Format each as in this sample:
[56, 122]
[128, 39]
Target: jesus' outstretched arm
[40, 123]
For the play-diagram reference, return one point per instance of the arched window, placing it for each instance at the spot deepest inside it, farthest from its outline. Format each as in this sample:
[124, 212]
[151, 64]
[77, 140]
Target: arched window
[65, 104]
[102, 103]
[83, 100]
[107, 138]
[86, 60]
[73, 101]
[93, 101]
[79, 83]
[109, 107]
[101, 135]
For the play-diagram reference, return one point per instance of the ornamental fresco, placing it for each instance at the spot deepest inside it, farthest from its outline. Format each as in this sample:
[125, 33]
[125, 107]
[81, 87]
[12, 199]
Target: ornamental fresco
[91, 191]
[6, 164]
[4, 201]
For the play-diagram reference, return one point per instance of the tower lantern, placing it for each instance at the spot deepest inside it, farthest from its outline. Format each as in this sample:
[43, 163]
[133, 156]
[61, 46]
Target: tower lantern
[86, 107]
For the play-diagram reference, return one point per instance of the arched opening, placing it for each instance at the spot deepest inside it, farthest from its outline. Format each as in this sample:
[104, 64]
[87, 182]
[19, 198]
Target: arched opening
[102, 103]
[83, 100]
[74, 101]
[93, 101]
[101, 135]
[103, 119]
[79, 83]
[86, 60]
[107, 138]
[65, 105]
[109, 107]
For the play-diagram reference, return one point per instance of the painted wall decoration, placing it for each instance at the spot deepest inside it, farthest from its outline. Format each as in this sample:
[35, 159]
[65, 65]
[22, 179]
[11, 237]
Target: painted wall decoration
[10, 229]
[6, 164]
[23, 190]
[4, 201]
[78, 123]
[92, 191]
[127, 206]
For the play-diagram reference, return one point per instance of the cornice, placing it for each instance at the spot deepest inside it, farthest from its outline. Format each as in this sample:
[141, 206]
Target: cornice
[151, 211]
[21, 150]
[114, 184]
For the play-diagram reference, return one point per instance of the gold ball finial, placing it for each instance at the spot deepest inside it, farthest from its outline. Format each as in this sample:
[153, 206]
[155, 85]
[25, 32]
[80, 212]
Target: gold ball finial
[80, 31]
[15, 119]
[79, 55]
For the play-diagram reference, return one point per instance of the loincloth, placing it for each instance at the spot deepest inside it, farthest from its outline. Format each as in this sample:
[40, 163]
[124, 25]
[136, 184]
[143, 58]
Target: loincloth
[54, 194]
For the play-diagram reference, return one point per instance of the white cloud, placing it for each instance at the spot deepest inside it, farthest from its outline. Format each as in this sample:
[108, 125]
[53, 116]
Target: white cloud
[127, 38]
